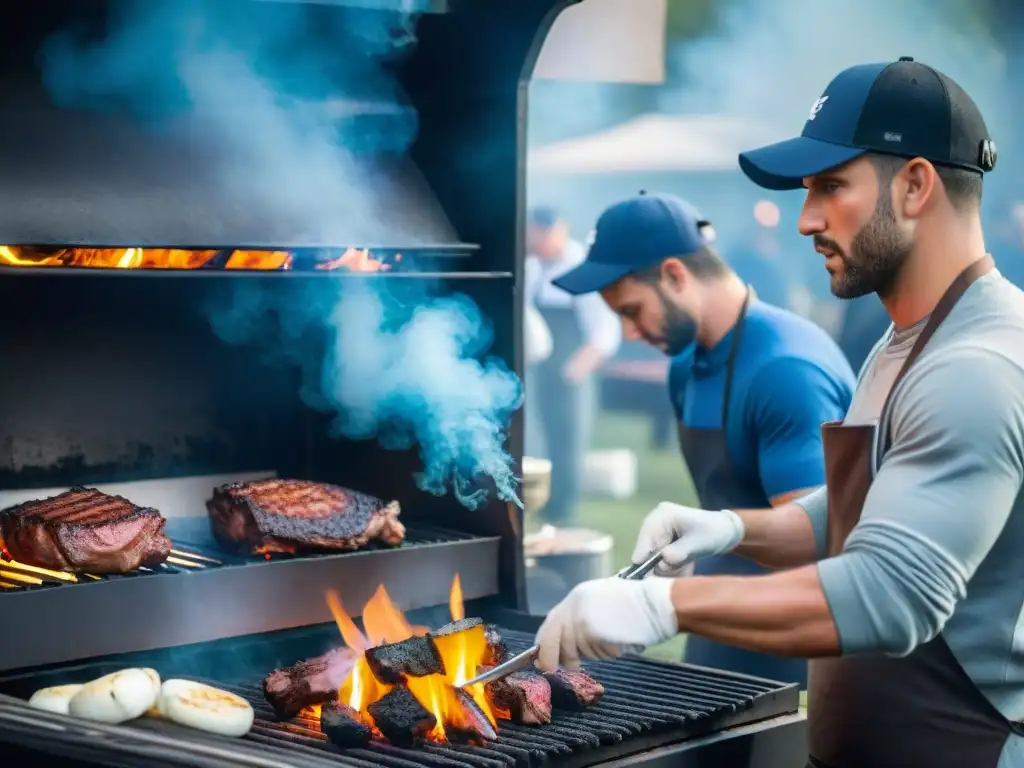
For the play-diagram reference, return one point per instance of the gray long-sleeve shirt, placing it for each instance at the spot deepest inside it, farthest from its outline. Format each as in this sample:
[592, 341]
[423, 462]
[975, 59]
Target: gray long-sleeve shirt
[940, 543]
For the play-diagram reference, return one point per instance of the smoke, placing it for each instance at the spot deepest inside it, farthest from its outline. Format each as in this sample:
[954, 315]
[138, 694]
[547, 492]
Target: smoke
[293, 96]
[288, 97]
[402, 365]
[770, 61]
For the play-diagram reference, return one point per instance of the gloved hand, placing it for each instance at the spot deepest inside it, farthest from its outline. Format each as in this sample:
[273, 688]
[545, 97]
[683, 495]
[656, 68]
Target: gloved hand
[684, 534]
[603, 618]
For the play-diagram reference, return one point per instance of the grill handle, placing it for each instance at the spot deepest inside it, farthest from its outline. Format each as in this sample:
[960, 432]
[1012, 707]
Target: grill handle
[527, 657]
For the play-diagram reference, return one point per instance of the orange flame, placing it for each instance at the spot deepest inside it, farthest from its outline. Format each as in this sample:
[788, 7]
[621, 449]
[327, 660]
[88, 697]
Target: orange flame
[461, 652]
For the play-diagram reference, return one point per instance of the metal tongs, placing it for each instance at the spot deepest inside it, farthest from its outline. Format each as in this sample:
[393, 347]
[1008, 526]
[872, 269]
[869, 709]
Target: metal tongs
[529, 656]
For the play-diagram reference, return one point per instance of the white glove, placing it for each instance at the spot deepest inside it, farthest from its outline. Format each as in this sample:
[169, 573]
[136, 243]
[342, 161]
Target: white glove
[684, 534]
[603, 618]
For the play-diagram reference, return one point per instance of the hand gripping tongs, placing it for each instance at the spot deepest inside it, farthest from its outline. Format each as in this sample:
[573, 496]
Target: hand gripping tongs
[527, 657]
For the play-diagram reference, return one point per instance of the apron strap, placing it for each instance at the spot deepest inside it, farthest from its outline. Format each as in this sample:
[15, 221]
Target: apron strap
[953, 294]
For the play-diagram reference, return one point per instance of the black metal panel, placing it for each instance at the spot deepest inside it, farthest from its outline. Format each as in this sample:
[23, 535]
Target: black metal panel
[143, 612]
[652, 711]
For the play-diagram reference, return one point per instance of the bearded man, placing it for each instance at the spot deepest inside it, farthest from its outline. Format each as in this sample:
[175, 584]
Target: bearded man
[751, 383]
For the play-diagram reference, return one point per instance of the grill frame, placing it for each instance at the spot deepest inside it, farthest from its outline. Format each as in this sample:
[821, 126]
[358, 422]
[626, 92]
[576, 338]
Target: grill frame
[148, 611]
[750, 704]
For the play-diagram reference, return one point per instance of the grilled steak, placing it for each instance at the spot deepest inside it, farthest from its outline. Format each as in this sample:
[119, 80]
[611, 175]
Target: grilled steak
[455, 627]
[522, 697]
[400, 717]
[342, 726]
[416, 657]
[286, 516]
[574, 689]
[468, 724]
[85, 531]
[314, 681]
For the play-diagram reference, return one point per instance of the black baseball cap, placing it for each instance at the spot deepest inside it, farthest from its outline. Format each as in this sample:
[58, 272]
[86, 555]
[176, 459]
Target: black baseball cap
[635, 234]
[901, 108]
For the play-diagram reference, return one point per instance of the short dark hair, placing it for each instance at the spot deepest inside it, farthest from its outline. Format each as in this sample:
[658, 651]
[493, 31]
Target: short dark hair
[963, 186]
[704, 264]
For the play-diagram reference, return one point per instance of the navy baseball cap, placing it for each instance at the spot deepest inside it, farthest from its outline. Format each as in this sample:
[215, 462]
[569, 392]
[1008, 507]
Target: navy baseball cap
[636, 234]
[902, 108]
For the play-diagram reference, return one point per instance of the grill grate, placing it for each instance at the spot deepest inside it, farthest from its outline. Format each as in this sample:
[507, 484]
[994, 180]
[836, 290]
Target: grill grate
[186, 557]
[646, 703]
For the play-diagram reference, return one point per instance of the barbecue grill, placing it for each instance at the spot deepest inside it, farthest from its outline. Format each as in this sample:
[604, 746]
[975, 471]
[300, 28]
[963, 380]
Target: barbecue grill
[128, 374]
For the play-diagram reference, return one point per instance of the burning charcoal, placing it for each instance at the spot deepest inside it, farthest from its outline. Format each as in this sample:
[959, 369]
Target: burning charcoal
[497, 651]
[342, 726]
[574, 689]
[524, 695]
[469, 725]
[454, 627]
[314, 681]
[400, 717]
[417, 657]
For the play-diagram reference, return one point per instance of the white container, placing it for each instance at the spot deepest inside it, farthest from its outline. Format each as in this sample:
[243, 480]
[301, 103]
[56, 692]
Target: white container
[610, 474]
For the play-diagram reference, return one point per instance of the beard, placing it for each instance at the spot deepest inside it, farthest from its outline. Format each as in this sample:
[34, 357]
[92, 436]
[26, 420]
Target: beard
[877, 254]
[679, 329]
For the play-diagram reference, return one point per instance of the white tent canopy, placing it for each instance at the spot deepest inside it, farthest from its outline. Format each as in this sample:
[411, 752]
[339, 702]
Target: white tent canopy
[655, 142]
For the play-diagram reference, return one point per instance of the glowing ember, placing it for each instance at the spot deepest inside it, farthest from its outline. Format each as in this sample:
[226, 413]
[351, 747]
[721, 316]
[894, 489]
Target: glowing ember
[462, 652]
[351, 259]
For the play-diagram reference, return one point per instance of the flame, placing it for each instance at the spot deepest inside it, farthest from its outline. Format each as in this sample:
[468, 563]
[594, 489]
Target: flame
[384, 622]
[351, 259]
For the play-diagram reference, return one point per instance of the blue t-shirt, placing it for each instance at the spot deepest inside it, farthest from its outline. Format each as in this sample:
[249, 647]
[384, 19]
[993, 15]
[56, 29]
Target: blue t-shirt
[789, 377]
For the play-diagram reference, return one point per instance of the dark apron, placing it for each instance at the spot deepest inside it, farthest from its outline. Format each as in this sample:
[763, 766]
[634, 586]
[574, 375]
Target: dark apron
[566, 412]
[919, 711]
[720, 485]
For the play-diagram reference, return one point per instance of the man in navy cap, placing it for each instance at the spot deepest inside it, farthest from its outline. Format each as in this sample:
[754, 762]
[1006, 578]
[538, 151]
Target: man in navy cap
[902, 577]
[750, 382]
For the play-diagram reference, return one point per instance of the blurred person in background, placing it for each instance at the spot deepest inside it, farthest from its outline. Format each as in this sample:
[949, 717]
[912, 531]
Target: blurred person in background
[562, 389]
[751, 383]
[901, 578]
[758, 261]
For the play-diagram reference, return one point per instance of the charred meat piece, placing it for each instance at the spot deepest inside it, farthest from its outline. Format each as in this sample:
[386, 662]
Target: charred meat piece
[314, 681]
[574, 689]
[469, 725]
[85, 531]
[416, 656]
[400, 717]
[524, 696]
[342, 726]
[287, 516]
[497, 651]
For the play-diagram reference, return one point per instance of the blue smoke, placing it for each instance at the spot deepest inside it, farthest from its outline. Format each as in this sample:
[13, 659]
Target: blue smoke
[402, 366]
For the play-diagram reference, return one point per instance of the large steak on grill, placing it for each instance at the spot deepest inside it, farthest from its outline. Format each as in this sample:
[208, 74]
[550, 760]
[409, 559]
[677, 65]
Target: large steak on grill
[83, 530]
[286, 516]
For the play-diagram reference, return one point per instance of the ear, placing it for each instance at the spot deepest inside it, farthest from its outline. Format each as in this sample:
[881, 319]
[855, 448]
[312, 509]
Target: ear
[674, 272]
[916, 188]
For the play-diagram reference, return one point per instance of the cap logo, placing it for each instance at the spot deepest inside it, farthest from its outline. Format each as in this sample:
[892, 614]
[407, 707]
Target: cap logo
[816, 107]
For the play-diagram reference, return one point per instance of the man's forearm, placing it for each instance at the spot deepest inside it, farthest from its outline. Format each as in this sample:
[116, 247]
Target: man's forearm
[781, 537]
[785, 614]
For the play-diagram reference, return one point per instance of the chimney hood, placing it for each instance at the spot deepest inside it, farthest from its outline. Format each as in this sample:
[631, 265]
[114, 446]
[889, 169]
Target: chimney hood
[209, 124]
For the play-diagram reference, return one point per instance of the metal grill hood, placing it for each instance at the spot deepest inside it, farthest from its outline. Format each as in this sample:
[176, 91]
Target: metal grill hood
[268, 127]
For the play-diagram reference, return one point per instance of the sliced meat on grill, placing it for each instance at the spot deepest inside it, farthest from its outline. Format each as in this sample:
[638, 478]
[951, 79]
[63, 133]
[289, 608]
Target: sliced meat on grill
[400, 717]
[522, 697]
[469, 724]
[416, 657]
[455, 627]
[85, 531]
[277, 516]
[343, 727]
[314, 681]
[573, 689]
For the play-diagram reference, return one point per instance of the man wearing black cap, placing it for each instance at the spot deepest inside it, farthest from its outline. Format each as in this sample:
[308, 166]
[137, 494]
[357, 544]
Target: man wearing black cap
[903, 576]
[561, 391]
[750, 382]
